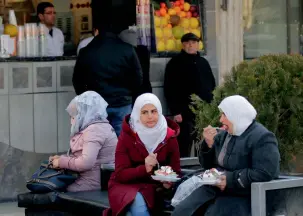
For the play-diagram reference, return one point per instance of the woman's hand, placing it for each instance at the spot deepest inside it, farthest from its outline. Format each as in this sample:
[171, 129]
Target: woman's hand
[167, 185]
[208, 134]
[51, 158]
[55, 163]
[150, 162]
[222, 183]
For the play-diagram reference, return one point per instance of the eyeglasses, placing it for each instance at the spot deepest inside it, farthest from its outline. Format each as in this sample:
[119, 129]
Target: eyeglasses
[50, 13]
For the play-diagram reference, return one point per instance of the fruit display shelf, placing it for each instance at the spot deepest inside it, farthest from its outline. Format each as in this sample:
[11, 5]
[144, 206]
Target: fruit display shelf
[171, 20]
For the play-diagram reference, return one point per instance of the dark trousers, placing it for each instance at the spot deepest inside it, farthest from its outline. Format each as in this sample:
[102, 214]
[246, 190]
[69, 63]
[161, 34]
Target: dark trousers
[187, 135]
[210, 201]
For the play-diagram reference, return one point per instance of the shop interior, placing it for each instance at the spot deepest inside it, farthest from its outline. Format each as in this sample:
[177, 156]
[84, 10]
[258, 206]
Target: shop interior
[160, 24]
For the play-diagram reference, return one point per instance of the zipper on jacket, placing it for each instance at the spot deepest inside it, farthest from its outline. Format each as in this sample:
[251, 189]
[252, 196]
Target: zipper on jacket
[156, 150]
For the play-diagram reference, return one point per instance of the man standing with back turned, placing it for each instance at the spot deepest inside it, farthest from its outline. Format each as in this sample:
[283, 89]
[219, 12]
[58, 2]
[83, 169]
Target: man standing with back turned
[110, 67]
[187, 74]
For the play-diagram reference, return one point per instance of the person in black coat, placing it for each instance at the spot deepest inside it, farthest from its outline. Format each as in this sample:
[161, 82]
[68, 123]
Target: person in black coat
[245, 152]
[144, 58]
[130, 36]
[187, 74]
[110, 67]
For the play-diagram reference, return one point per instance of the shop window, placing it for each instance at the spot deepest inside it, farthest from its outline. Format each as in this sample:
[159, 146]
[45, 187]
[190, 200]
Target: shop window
[271, 27]
[161, 24]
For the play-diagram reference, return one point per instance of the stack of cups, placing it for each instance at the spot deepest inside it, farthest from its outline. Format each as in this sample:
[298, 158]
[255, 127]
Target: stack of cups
[35, 38]
[31, 39]
[42, 40]
[21, 48]
[28, 40]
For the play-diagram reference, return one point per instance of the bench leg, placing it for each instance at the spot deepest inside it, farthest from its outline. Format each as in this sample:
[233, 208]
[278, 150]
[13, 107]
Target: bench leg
[258, 200]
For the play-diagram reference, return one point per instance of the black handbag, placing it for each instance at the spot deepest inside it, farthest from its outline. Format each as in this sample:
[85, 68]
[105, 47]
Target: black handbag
[47, 179]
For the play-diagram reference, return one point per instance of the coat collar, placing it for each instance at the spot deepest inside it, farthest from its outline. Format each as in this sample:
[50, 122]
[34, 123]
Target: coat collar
[183, 53]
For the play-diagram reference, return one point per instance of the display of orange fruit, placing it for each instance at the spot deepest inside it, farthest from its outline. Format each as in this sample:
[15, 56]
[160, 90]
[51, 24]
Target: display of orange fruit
[177, 3]
[182, 14]
[162, 11]
[188, 14]
[171, 12]
[157, 13]
[177, 9]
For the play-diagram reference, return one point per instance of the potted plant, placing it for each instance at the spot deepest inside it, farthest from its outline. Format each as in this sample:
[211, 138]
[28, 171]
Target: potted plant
[274, 85]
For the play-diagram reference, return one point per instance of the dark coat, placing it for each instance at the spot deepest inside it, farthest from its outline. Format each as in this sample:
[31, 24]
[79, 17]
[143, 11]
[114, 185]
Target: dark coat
[252, 157]
[109, 67]
[185, 75]
[144, 58]
[130, 175]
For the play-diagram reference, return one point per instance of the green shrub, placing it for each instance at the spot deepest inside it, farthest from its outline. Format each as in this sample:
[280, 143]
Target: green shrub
[274, 86]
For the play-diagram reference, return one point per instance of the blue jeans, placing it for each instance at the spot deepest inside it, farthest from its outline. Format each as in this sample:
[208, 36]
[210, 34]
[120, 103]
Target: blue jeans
[116, 116]
[138, 207]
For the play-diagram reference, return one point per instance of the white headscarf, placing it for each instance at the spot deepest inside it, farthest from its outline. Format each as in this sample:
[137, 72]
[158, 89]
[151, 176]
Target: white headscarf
[239, 112]
[151, 137]
[86, 108]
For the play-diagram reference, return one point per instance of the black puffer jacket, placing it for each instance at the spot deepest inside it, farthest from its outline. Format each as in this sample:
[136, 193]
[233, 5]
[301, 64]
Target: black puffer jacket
[110, 67]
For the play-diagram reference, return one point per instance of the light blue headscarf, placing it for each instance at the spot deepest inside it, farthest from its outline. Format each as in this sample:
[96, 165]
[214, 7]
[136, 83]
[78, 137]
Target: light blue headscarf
[87, 109]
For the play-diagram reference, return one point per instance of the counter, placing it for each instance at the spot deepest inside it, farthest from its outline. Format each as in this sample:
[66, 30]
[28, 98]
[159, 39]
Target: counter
[34, 93]
[33, 98]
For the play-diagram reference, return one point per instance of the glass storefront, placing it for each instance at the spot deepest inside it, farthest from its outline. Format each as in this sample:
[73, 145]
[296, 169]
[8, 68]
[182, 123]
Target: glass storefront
[276, 27]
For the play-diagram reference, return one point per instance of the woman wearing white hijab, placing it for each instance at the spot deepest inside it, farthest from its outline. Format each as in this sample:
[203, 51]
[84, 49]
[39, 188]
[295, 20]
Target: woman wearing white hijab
[93, 141]
[245, 151]
[147, 141]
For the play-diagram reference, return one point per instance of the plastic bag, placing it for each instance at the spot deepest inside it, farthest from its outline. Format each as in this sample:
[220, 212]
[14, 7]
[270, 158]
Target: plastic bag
[185, 189]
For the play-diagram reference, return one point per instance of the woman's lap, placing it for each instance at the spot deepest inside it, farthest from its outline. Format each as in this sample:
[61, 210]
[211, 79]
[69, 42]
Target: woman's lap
[209, 199]
[229, 205]
[138, 207]
[195, 200]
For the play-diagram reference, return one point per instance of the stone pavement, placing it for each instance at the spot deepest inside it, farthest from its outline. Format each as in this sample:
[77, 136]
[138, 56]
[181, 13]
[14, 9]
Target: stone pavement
[11, 209]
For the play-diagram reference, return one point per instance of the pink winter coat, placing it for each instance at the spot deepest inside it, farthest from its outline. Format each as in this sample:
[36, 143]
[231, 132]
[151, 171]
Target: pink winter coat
[90, 148]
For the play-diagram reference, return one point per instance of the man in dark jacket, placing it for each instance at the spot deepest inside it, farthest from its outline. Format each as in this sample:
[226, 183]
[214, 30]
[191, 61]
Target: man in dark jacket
[144, 58]
[110, 67]
[130, 36]
[187, 74]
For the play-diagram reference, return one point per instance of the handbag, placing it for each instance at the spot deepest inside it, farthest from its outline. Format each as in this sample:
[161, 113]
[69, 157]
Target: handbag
[47, 179]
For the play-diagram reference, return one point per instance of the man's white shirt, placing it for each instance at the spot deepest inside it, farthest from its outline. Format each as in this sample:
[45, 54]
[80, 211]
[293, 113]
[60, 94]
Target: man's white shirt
[55, 43]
